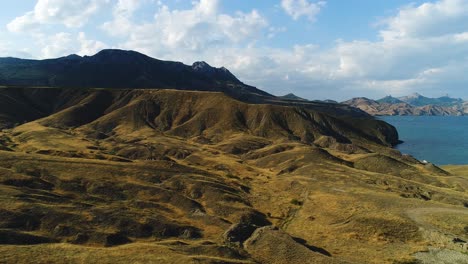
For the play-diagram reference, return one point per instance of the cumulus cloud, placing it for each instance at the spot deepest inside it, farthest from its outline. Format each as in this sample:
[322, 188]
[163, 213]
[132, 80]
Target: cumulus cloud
[121, 24]
[299, 8]
[69, 13]
[27, 22]
[57, 45]
[428, 20]
[88, 46]
[190, 31]
[63, 44]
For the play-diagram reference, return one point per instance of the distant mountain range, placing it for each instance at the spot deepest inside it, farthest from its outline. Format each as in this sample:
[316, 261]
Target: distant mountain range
[414, 104]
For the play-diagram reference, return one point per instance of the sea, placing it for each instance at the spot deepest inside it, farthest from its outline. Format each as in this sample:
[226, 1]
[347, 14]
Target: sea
[442, 140]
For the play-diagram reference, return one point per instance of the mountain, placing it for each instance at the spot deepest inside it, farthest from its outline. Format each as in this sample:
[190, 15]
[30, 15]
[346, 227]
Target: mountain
[121, 69]
[373, 107]
[390, 100]
[414, 104]
[292, 96]
[419, 100]
[22, 105]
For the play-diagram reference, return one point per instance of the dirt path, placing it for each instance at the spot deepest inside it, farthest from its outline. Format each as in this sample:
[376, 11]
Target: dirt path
[418, 214]
[447, 248]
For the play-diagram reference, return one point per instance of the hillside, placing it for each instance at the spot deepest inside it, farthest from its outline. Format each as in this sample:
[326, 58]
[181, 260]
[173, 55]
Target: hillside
[390, 100]
[170, 176]
[413, 105]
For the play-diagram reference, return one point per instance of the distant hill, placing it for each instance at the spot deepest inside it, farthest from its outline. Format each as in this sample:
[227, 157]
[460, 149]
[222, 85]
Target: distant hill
[420, 100]
[291, 96]
[390, 100]
[414, 104]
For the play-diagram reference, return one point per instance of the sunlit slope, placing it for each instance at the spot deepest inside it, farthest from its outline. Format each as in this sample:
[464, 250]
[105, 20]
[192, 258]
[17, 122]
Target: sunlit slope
[166, 176]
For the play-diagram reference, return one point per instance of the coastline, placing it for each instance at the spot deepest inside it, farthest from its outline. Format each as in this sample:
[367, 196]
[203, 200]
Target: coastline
[436, 139]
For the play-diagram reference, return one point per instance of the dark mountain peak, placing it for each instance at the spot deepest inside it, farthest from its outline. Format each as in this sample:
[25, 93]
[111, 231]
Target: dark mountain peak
[72, 57]
[117, 52]
[113, 56]
[201, 65]
[224, 69]
[291, 96]
[204, 68]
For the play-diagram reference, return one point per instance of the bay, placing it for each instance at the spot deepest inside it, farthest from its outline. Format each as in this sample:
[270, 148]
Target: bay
[441, 140]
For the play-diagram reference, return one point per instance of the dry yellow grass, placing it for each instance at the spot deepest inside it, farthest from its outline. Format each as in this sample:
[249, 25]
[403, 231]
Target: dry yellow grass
[167, 194]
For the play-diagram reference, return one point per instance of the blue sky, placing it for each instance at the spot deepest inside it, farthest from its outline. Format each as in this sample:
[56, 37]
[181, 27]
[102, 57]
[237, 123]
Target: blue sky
[316, 49]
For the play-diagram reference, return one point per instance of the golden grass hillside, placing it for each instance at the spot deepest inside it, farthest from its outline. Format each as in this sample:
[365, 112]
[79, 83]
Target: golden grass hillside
[163, 176]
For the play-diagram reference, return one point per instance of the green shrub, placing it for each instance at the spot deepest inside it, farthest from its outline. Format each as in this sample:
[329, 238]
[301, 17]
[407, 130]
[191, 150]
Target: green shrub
[297, 202]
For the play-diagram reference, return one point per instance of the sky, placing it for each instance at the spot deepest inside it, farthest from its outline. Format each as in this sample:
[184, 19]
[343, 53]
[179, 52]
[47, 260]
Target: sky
[316, 49]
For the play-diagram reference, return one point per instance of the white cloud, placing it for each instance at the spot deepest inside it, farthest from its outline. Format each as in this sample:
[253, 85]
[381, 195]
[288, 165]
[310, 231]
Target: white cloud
[63, 44]
[274, 31]
[299, 8]
[121, 24]
[57, 45]
[190, 31]
[127, 7]
[27, 22]
[89, 47]
[72, 14]
[428, 20]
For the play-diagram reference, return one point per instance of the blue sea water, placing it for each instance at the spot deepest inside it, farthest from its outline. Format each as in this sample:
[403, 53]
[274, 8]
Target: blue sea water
[441, 140]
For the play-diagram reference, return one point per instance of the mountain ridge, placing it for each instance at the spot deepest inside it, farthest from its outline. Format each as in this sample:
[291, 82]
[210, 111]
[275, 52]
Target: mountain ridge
[415, 104]
[113, 68]
[125, 69]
